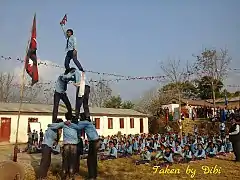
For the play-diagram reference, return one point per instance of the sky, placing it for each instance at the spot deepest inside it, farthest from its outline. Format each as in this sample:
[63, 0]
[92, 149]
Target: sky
[122, 37]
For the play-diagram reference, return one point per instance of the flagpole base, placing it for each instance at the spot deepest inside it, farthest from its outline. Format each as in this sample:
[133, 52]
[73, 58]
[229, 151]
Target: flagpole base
[15, 152]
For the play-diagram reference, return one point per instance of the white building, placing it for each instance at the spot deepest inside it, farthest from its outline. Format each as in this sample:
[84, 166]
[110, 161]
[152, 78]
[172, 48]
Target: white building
[108, 121]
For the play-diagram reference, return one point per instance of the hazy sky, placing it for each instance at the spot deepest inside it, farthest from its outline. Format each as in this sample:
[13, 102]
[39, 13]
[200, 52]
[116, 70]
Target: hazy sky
[123, 37]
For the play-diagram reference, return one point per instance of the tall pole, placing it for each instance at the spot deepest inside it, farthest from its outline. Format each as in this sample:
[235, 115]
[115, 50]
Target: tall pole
[20, 106]
[213, 95]
[179, 115]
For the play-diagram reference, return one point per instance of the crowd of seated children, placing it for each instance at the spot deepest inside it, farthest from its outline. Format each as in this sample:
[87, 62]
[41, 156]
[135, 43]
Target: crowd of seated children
[165, 149]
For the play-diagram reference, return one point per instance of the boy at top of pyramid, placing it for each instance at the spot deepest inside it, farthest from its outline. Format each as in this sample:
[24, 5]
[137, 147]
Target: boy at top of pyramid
[71, 46]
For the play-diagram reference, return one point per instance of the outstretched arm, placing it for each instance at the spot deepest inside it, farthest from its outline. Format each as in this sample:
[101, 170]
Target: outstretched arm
[64, 30]
[56, 125]
[74, 126]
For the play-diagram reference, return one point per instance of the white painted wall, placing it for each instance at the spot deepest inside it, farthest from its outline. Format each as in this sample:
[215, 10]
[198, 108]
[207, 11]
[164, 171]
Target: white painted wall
[171, 107]
[45, 120]
[104, 131]
[23, 125]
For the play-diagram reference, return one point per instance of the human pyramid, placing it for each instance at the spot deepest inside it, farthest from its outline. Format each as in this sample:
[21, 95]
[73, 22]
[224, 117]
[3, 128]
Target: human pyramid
[74, 124]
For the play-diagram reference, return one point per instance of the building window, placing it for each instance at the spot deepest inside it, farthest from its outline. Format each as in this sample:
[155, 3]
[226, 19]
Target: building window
[31, 120]
[121, 121]
[97, 123]
[131, 122]
[110, 123]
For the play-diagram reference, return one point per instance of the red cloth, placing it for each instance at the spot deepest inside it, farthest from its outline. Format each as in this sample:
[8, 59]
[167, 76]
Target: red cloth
[32, 68]
[64, 20]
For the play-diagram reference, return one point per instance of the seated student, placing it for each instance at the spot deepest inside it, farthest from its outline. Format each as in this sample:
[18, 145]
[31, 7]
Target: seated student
[56, 149]
[171, 142]
[128, 149]
[135, 146]
[85, 147]
[167, 157]
[151, 145]
[156, 145]
[102, 146]
[220, 148]
[160, 153]
[112, 152]
[177, 150]
[211, 150]
[187, 154]
[141, 145]
[163, 142]
[145, 156]
[121, 147]
[229, 147]
[193, 146]
[200, 153]
[205, 144]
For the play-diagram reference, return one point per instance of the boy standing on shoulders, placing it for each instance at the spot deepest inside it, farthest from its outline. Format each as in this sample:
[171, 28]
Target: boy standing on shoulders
[71, 46]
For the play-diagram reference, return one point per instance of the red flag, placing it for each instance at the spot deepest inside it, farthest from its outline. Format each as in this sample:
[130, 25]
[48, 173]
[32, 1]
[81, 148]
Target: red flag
[31, 65]
[64, 20]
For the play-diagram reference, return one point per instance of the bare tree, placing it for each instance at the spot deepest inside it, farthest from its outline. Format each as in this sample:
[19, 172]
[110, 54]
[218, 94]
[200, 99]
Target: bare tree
[10, 90]
[213, 64]
[175, 74]
[100, 92]
[6, 88]
[39, 93]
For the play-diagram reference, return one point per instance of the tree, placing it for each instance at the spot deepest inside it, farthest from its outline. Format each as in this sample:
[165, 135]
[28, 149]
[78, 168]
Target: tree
[237, 93]
[127, 105]
[213, 64]
[204, 87]
[113, 102]
[6, 81]
[100, 93]
[10, 90]
[177, 76]
[188, 89]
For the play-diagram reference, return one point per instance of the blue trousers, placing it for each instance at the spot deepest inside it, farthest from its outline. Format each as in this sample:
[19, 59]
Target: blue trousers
[68, 58]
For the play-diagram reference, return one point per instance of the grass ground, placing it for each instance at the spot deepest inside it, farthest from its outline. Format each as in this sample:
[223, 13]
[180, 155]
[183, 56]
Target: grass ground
[125, 169]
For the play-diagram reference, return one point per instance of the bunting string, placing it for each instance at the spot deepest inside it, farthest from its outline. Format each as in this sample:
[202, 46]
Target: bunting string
[61, 67]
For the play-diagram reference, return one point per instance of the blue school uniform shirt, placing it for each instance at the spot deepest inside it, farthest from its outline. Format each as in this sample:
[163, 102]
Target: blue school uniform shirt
[89, 129]
[121, 148]
[113, 152]
[200, 153]
[135, 146]
[128, 149]
[142, 146]
[63, 80]
[70, 135]
[50, 135]
[71, 43]
[212, 151]
[229, 146]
